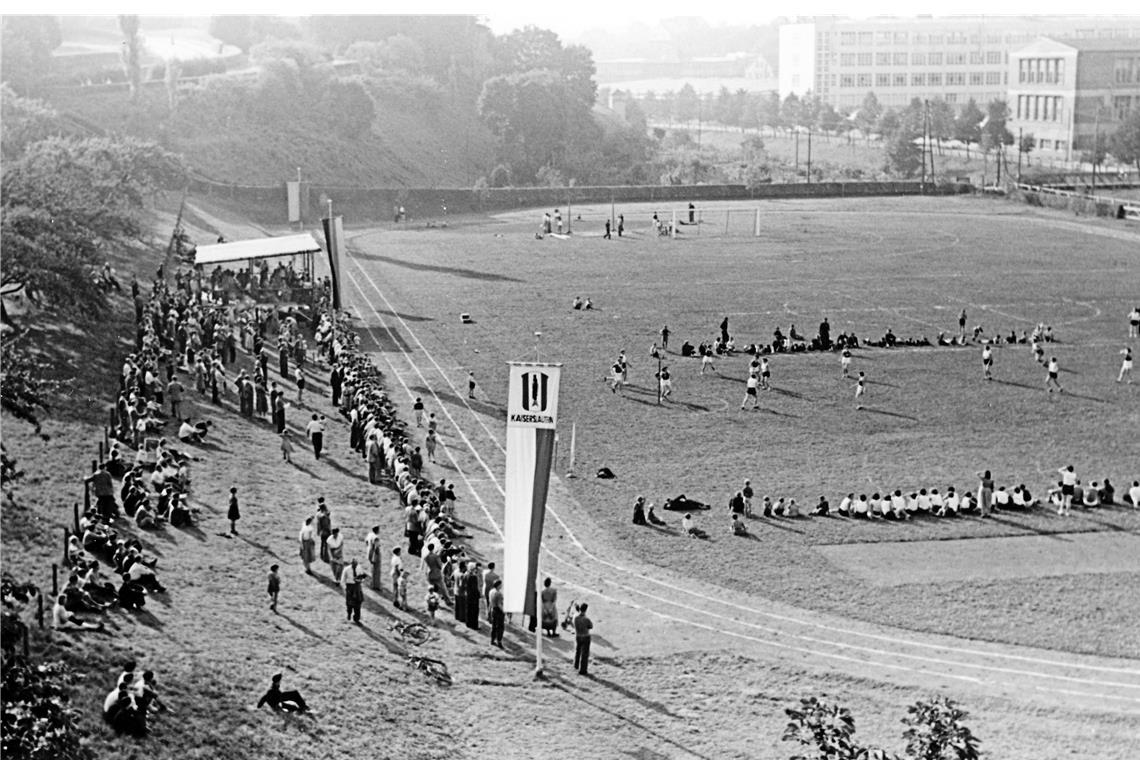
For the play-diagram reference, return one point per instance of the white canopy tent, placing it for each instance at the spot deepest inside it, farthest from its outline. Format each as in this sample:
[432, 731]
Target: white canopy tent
[259, 248]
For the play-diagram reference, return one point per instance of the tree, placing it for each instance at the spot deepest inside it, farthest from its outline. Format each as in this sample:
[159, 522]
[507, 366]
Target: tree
[995, 133]
[903, 153]
[687, 106]
[132, 53]
[935, 731]
[1027, 144]
[635, 117]
[829, 119]
[968, 125]
[1124, 143]
[889, 123]
[38, 724]
[25, 380]
[65, 202]
[869, 113]
[791, 111]
[233, 30]
[26, 43]
[941, 121]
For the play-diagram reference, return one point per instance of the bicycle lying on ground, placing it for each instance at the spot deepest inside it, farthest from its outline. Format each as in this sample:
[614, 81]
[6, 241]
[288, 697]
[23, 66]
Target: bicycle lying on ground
[437, 669]
[412, 633]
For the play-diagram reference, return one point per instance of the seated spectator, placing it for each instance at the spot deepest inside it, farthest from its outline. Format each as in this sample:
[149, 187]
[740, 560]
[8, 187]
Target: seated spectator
[737, 526]
[62, 619]
[690, 529]
[822, 508]
[766, 506]
[180, 513]
[861, 507]
[97, 538]
[922, 502]
[577, 302]
[969, 504]
[145, 517]
[653, 518]
[98, 586]
[1091, 496]
[1021, 498]
[639, 511]
[139, 571]
[1001, 498]
[875, 506]
[846, 505]
[78, 600]
[146, 695]
[936, 503]
[132, 595]
[898, 506]
[791, 509]
[1133, 495]
[687, 349]
[952, 503]
[193, 432]
[1078, 493]
[121, 711]
[1107, 494]
[290, 701]
[115, 464]
[76, 556]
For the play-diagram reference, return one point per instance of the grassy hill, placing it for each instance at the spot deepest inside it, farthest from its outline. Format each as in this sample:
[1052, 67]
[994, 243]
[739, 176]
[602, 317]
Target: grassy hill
[410, 143]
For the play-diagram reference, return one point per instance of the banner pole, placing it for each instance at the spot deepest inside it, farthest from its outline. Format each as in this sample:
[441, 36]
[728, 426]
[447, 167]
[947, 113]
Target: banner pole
[538, 674]
[573, 441]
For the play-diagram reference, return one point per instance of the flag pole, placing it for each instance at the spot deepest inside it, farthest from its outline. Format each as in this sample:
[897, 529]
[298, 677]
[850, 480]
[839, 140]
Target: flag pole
[538, 674]
[573, 440]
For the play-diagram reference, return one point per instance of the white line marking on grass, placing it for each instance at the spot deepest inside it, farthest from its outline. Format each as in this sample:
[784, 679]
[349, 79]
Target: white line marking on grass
[672, 587]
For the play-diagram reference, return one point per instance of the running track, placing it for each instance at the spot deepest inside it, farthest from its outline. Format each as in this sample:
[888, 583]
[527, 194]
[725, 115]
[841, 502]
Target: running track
[696, 615]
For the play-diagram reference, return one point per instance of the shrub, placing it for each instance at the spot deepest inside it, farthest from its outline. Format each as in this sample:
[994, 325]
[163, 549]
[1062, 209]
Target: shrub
[38, 724]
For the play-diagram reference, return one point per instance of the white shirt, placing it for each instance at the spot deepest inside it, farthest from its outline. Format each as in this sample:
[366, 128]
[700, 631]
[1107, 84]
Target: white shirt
[307, 533]
[1068, 477]
[845, 505]
[953, 502]
[397, 564]
[861, 506]
[1001, 497]
[1134, 492]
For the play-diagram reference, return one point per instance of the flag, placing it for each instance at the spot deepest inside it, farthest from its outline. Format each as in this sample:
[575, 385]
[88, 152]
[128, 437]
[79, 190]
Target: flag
[293, 193]
[532, 410]
[334, 232]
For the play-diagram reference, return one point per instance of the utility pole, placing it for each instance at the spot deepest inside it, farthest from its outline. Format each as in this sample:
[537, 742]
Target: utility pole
[1020, 148]
[809, 158]
[1096, 146]
[797, 152]
[925, 115]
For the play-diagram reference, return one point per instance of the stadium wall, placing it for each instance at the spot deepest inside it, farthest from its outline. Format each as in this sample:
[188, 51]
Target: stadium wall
[267, 203]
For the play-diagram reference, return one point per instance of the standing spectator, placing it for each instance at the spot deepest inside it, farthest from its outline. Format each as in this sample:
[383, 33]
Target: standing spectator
[472, 594]
[375, 557]
[621, 224]
[1126, 365]
[273, 587]
[324, 527]
[549, 608]
[174, 390]
[985, 493]
[351, 578]
[1068, 488]
[496, 604]
[434, 566]
[397, 568]
[431, 601]
[316, 432]
[234, 514]
[401, 600]
[665, 338]
[308, 540]
[962, 325]
[300, 386]
[336, 377]
[335, 545]
[470, 384]
[279, 414]
[418, 410]
[460, 592]
[582, 627]
[429, 444]
[286, 447]
[489, 578]
[1134, 322]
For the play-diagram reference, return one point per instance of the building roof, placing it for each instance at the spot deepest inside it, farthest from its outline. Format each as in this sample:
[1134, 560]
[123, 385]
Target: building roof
[1124, 44]
[258, 248]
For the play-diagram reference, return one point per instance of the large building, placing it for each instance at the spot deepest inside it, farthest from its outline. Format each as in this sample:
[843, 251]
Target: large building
[954, 57]
[1066, 91]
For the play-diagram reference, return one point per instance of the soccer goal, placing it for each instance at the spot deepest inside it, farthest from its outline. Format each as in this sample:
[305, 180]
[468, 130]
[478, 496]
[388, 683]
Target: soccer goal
[717, 221]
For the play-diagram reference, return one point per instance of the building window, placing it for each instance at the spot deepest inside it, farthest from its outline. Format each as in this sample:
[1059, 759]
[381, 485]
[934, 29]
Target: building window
[955, 59]
[847, 38]
[866, 38]
[846, 80]
[864, 80]
[976, 77]
[955, 78]
[918, 80]
[993, 77]
[993, 56]
[1125, 70]
[937, 39]
[883, 38]
[993, 39]
[1020, 106]
[951, 97]
[1121, 105]
[882, 59]
[956, 38]
[918, 59]
[864, 59]
[934, 80]
[976, 58]
[934, 59]
[919, 39]
[846, 59]
[900, 80]
[899, 59]
[882, 80]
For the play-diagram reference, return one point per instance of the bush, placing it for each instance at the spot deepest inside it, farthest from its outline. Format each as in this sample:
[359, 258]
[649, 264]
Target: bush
[38, 724]
[349, 105]
[500, 176]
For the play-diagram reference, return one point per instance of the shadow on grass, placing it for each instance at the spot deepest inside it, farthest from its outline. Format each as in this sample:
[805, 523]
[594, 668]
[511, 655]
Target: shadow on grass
[880, 382]
[793, 394]
[298, 466]
[471, 274]
[1086, 398]
[193, 530]
[773, 521]
[885, 413]
[301, 627]
[145, 617]
[618, 714]
[482, 407]
[405, 317]
[262, 547]
[1017, 384]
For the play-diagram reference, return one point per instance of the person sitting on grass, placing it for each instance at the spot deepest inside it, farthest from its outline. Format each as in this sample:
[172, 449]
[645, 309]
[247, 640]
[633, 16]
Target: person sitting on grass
[1133, 496]
[1001, 498]
[77, 599]
[652, 517]
[193, 433]
[846, 505]
[791, 509]
[822, 508]
[952, 503]
[1022, 499]
[1091, 497]
[63, 619]
[131, 594]
[737, 526]
[936, 503]
[139, 571]
[289, 701]
[639, 511]
[691, 530]
[146, 518]
[861, 507]
[1107, 494]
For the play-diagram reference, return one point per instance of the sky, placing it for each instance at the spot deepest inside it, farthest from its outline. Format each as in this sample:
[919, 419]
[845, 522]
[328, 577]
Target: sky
[570, 19]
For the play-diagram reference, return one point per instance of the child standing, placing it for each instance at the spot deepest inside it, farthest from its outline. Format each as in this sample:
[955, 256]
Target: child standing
[234, 514]
[274, 587]
[429, 444]
[402, 590]
[860, 389]
[286, 447]
[418, 409]
[432, 601]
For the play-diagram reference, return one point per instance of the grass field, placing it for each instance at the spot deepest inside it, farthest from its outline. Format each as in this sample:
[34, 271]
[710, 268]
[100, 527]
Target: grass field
[931, 420]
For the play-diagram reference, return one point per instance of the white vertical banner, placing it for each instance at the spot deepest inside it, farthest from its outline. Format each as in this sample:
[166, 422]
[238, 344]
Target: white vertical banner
[293, 192]
[532, 414]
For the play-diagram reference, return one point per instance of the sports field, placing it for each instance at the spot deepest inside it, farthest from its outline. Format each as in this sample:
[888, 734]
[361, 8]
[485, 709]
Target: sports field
[930, 419]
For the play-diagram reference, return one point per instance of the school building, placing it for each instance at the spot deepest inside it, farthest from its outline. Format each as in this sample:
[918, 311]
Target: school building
[1065, 92]
[954, 58]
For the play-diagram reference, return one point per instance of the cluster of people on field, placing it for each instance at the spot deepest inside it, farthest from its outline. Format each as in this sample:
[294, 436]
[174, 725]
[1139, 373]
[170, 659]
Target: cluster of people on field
[129, 705]
[899, 505]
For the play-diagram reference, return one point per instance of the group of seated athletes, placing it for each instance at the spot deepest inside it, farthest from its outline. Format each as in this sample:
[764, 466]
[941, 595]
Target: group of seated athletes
[892, 505]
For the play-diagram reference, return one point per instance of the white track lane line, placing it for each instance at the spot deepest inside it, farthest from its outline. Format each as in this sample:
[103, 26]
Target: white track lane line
[671, 587]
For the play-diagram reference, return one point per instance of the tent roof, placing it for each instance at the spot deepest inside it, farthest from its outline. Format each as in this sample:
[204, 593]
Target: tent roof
[258, 248]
